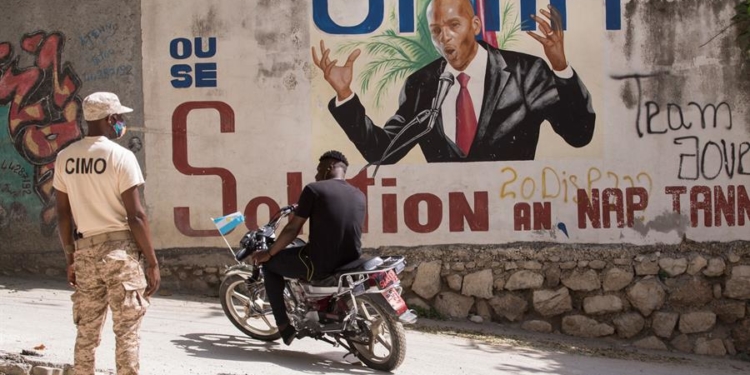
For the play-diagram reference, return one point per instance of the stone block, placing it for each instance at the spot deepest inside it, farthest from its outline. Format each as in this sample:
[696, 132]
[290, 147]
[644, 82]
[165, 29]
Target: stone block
[597, 264]
[738, 285]
[454, 282]
[647, 267]
[537, 326]
[509, 306]
[453, 305]
[714, 347]
[484, 309]
[628, 325]
[730, 311]
[478, 284]
[615, 279]
[673, 267]
[552, 275]
[647, 295]
[692, 292]
[650, 343]
[582, 280]
[716, 267]
[46, 370]
[696, 265]
[427, 282]
[597, 305]
[10, 368]
[531, 265]
[418, 302]
[682, 343]
[663, 323]
[568, 265]
[698, 321]
[499, 283]
[552, 302]
[741, 336]
[524, 280]
[581, 326]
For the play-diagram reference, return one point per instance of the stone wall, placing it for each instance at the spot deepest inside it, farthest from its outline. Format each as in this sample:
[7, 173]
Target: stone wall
[691, 298]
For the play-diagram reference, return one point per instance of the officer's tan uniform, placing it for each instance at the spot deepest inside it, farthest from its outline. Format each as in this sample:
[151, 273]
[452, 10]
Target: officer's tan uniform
[94, 172]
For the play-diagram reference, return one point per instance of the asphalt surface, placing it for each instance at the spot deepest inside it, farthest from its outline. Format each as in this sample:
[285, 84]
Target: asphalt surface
[190, 335]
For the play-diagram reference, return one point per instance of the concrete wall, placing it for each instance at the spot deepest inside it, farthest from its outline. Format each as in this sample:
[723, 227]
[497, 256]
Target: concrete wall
[51, 56]
[232, 113]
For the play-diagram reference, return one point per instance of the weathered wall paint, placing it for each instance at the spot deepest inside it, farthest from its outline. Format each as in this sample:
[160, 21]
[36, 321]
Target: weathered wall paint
[235, 113]
[51, 57]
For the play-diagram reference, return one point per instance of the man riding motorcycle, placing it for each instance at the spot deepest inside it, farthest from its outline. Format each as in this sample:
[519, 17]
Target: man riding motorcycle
[336, 210]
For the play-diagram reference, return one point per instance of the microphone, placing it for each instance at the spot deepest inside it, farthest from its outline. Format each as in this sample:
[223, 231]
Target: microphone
[445, 83]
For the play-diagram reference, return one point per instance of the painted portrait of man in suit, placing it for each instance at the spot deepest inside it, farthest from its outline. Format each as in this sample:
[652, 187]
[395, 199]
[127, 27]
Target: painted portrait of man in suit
[493, 111]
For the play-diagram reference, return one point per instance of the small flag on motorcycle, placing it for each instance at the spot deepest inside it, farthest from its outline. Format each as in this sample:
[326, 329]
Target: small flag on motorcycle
[225, 224]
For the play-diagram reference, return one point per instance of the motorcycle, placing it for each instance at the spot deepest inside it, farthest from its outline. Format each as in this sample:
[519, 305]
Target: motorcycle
[359, 307]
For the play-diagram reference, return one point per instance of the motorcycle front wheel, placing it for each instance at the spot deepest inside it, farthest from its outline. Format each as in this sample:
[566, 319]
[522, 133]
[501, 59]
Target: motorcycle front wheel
[381, 341]
[248, 309]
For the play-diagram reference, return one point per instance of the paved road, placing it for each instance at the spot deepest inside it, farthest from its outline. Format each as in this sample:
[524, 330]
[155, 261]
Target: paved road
[189, 335]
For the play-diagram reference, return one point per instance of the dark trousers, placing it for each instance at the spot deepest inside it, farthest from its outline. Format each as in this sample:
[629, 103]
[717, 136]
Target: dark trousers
[291, 262]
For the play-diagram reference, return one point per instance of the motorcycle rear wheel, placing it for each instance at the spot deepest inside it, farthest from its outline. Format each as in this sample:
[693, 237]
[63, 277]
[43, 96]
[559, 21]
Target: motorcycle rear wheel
[384, 348]
[248, 308]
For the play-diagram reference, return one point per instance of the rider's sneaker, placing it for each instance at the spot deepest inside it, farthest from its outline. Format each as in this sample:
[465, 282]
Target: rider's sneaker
[288, 334]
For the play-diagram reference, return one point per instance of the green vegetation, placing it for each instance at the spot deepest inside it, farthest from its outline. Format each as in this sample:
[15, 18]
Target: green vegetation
[742, 20]
[395, 56]
[428, 314]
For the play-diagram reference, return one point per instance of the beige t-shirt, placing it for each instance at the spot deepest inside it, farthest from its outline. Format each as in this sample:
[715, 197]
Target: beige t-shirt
[94, 172]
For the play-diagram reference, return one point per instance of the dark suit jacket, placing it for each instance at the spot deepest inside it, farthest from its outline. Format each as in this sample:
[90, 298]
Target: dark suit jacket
[520, 92]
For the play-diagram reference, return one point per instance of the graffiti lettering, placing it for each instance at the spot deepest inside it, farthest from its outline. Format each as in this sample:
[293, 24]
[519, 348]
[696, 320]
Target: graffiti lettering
[98, 35]
[15, 193]
[109, 72]
[101, 56]
[43, 109]
[698, 159]
[14, 168]
[554, 184]
[711, 159]
[406, 20]
[598, 209]
[676, 117]
[732, 205]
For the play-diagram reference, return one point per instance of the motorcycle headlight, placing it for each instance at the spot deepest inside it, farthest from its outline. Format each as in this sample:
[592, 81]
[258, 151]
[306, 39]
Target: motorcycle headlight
[248, 241]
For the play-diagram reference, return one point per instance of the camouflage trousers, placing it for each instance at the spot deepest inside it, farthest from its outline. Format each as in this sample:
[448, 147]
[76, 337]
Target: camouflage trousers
[109, 275]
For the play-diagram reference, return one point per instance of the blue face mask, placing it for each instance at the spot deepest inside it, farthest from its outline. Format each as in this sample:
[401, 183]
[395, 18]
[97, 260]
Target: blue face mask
[120, 129]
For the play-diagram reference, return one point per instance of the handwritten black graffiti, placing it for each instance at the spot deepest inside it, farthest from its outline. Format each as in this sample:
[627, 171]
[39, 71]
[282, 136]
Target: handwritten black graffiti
[674, 110]
[699, 158]
[637, 78]
[710, 159]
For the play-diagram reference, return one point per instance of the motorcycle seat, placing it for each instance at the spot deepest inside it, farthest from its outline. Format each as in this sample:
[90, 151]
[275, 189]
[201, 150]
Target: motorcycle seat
[361, 264]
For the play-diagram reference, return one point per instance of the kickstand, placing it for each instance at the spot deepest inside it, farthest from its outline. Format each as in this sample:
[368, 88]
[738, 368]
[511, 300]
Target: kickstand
[345, 346]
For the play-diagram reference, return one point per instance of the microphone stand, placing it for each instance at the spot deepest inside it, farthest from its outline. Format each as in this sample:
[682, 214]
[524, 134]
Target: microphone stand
[446, 78]
[416, 120]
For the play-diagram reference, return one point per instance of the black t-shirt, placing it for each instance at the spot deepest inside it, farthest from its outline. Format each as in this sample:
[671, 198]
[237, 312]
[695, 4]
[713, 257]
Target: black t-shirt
[336, 211]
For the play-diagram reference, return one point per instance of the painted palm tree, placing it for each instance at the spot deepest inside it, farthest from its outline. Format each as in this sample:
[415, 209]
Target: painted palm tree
[393, 57]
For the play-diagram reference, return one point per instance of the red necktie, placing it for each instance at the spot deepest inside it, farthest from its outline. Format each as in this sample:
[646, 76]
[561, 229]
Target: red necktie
[466, 119]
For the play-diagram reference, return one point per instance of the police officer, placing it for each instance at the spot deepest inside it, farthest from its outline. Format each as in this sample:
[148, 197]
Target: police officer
[96, 182]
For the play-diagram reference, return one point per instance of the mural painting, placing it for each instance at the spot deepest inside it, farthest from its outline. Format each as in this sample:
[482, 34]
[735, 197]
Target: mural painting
[571, 132]
[514, 94]
[39, 109]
